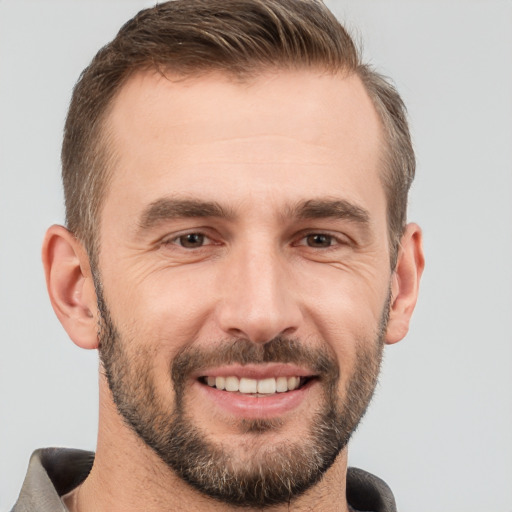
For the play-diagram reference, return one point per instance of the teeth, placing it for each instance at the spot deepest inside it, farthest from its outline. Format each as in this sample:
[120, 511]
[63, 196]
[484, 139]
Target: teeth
[281, 384]
[220, 382]
[293, 383]
[268, 386]
[248, 385]
[231, 384]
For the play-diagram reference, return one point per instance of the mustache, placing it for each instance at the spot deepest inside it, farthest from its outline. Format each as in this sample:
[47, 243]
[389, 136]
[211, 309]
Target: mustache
[280, 349]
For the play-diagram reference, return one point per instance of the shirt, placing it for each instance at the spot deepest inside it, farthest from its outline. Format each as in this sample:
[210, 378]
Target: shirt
[53, 472]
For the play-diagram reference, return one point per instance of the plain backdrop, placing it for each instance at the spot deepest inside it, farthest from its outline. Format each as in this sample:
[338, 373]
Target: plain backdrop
[439, 430]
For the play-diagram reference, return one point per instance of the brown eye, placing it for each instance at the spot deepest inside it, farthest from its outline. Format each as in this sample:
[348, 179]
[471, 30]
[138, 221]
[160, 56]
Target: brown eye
[191, 240]
[318, 240]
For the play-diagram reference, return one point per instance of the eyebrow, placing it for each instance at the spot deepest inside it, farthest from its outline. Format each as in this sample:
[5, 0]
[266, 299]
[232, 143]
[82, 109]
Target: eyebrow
[335, 208]
[171, 208]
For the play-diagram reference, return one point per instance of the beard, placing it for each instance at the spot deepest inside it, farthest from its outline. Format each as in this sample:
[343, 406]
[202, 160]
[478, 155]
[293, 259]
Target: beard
[268, 473]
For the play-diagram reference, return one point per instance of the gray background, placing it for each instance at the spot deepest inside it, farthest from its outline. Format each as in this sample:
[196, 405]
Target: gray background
[440, 428]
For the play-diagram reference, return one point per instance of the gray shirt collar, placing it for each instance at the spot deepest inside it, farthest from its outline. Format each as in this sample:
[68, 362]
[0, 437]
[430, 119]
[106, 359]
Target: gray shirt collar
[53, 472]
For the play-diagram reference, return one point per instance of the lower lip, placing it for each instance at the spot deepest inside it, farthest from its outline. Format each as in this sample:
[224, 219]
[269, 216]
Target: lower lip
[256, 407]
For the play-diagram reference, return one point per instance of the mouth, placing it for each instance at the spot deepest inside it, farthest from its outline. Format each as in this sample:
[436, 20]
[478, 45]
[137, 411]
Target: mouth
[256, 391]
[255, 387]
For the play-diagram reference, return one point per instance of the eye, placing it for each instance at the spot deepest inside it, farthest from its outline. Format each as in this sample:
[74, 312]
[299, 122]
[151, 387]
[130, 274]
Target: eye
[319, 240]
[191, 240]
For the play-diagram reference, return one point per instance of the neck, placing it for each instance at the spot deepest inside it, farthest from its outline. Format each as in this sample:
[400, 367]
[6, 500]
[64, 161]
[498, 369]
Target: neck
[128, 476]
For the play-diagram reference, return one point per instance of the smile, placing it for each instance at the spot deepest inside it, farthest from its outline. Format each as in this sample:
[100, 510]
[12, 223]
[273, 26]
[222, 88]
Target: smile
[256, 391]
[255, 387]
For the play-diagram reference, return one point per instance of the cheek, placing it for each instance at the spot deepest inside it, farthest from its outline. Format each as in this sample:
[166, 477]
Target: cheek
[347, 304]
[167, 306]
[347, 316]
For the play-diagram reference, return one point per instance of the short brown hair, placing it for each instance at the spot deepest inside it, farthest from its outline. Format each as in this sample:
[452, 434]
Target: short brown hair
[239, 37]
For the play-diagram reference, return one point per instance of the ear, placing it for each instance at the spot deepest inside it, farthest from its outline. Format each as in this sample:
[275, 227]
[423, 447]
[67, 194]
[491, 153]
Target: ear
[70, 286]
[405, 283]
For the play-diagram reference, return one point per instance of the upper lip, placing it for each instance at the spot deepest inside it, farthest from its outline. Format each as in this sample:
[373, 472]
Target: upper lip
[255, 371]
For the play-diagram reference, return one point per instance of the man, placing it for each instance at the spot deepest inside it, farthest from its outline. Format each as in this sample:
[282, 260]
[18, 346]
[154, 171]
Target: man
[237, 250]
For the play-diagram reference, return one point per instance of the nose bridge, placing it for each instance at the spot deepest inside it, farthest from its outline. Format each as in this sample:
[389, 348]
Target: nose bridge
[259, 302]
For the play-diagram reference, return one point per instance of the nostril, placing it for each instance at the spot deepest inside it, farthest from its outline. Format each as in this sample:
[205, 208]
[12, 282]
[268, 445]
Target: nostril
[289, 331]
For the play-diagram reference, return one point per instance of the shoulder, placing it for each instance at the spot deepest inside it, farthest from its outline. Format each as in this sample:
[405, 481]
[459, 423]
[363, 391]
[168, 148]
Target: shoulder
[368, 492]
[52, 472]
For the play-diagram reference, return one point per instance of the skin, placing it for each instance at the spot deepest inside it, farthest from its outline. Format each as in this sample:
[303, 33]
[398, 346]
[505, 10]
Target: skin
[259, 149]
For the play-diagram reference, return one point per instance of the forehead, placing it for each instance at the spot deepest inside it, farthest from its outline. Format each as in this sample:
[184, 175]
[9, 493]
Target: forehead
[283, 133]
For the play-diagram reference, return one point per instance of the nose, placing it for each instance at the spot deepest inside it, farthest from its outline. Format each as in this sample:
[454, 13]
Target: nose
[258, 300]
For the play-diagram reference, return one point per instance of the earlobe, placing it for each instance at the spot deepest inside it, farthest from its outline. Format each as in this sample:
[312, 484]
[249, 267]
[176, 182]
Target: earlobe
[405, 283]
[70, 286]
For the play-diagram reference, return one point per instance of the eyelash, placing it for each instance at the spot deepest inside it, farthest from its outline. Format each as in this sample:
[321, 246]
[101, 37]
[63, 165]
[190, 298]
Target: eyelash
[332, 240]
[177, 240]
[335, 240]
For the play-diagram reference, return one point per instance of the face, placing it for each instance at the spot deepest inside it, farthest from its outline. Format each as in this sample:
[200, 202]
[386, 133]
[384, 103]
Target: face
[243, 278]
